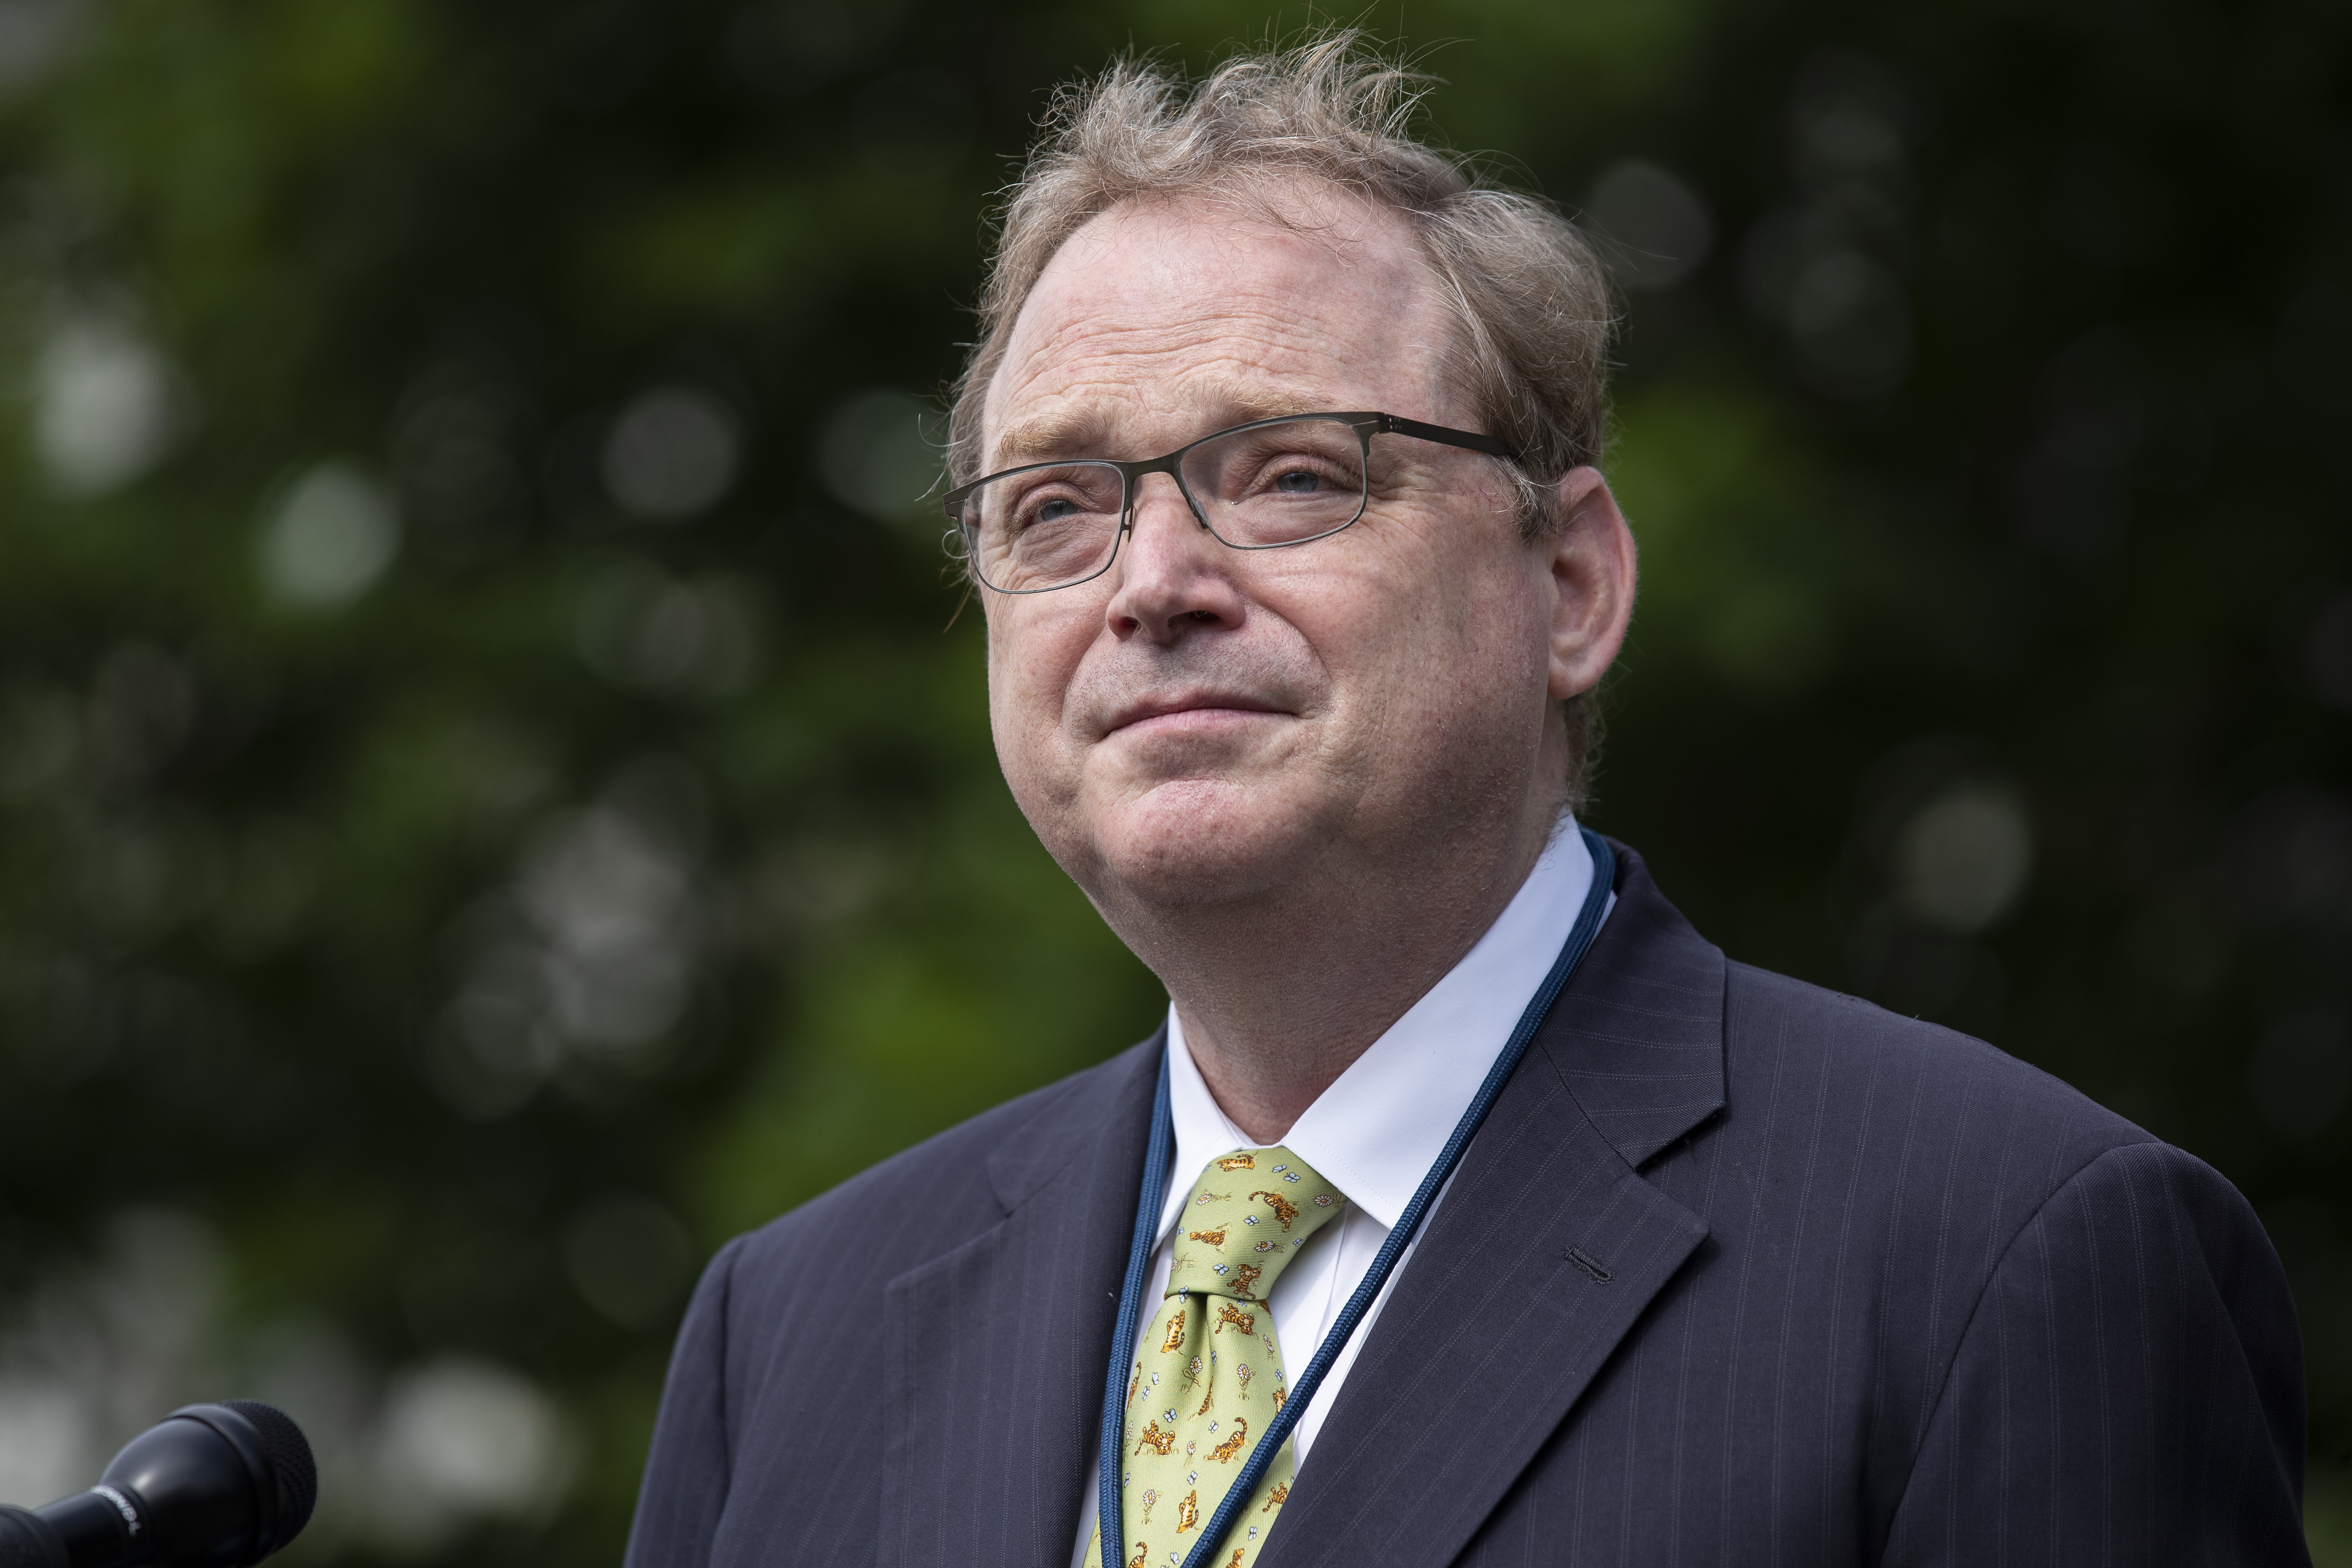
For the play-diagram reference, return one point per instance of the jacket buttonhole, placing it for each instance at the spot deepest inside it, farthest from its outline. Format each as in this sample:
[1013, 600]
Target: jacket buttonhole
[1590, 1264]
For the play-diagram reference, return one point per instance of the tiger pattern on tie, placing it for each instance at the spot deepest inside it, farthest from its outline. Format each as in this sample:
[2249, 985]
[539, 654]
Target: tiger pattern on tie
[1193, 1453]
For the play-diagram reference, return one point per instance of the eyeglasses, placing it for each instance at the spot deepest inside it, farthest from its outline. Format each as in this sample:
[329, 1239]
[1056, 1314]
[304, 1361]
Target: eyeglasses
[1259, 486]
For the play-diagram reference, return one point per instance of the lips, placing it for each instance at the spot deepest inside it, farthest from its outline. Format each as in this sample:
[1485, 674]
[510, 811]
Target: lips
[1162, 706]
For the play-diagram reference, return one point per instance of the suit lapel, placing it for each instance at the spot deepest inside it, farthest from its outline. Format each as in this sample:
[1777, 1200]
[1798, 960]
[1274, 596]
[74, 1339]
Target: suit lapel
[1545, 1253]
[996, 1353]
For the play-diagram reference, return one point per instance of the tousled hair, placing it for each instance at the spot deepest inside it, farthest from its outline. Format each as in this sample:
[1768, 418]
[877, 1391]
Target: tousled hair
[1528, 296]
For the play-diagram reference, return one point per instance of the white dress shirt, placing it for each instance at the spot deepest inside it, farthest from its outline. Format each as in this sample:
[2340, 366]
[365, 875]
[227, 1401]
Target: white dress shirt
[1377, 1131]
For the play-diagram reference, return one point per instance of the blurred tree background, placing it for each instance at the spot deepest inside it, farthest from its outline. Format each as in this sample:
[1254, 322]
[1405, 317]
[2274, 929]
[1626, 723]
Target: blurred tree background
[488, 808]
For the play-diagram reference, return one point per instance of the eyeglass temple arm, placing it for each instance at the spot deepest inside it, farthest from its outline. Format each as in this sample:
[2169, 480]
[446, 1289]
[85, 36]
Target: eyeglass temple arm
[1446, 438]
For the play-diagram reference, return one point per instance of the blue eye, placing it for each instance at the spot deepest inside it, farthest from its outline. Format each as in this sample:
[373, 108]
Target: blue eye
[1298, 482]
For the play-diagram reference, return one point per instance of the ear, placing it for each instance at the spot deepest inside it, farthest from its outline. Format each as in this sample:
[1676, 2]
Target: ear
[1592, 578]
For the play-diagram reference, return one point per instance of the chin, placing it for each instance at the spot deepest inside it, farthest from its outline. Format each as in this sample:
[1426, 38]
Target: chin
[1195, 841]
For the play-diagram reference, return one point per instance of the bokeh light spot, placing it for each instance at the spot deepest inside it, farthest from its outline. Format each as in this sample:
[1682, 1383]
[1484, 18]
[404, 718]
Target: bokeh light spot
[461, 1437]
[1964, 859]
[105, 409]
[329, 537]
[1657, 228]
[628, 1257]
[876, 459]
[673, 452]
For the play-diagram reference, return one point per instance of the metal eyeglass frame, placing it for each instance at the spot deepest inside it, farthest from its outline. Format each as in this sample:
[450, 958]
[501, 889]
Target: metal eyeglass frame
[1365, 425]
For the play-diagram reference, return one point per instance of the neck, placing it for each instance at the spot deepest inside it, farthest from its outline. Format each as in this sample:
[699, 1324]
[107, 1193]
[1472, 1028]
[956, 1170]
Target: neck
[1281, 994]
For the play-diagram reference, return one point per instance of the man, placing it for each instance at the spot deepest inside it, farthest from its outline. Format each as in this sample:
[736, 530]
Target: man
[1274, 470]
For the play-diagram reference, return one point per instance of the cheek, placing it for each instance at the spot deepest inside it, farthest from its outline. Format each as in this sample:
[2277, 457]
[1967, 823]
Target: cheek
[1031, 661]
[1441, 650]
[1429, 610]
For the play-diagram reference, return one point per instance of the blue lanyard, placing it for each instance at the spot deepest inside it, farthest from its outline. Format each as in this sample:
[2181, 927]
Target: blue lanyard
[1162, 1149]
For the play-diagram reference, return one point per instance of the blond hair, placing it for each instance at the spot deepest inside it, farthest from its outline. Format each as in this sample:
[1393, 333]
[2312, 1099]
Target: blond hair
[1528, 295]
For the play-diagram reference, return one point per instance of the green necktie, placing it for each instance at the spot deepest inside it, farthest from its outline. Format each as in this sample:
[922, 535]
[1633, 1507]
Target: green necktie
[1208, 1376]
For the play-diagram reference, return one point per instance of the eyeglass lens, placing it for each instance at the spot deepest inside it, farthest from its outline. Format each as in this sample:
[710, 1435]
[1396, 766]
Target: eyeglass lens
[1255, 488]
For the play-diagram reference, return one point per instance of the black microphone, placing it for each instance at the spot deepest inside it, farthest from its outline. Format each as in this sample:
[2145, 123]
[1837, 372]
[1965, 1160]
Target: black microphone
[212, 1486]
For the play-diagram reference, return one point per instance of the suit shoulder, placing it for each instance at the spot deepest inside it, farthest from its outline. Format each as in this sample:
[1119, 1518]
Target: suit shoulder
[1771, 1020]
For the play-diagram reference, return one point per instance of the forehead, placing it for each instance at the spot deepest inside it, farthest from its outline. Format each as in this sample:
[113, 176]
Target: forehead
[1180, 316]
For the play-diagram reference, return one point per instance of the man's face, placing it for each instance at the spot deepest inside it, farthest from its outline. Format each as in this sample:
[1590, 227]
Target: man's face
[1204, 724]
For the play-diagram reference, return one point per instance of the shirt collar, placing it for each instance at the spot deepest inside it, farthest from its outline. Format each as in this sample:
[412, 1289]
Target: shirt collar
[1377, 1131]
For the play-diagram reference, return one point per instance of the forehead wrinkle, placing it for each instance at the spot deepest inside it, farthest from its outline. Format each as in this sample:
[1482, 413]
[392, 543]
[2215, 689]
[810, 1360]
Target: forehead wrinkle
[1247, 325]
[1104, 352]
[1097, 392]
[1085, 431]
[1175, 316]
[1229, 357]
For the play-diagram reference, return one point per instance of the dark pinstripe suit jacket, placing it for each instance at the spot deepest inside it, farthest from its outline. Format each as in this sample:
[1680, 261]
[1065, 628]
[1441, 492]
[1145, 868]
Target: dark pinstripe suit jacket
[1875, 1293]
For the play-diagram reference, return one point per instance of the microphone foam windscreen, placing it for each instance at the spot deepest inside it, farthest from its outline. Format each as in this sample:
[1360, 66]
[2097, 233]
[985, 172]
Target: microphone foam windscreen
[290, 1455]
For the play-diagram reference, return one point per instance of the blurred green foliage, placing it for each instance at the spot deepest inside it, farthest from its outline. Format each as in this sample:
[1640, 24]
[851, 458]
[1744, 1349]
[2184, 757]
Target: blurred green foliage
[488, 809]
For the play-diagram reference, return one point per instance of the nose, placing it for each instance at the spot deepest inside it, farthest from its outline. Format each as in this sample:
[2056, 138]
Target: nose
[1172, 576]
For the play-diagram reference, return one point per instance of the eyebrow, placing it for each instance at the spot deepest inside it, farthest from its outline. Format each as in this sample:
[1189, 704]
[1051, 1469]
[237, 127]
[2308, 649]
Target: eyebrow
[1046, 437]
[1075, 436]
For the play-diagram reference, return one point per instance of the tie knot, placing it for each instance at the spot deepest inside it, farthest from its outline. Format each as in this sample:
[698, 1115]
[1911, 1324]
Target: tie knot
[1244, 1221]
